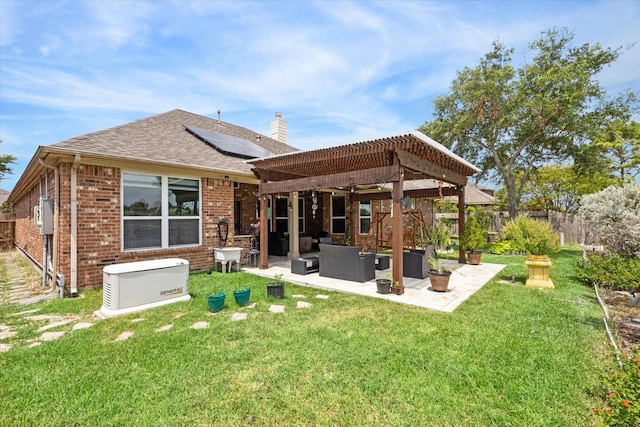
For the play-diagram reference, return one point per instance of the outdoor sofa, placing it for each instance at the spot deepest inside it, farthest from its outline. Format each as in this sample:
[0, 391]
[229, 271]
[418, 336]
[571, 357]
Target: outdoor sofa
[346, 263]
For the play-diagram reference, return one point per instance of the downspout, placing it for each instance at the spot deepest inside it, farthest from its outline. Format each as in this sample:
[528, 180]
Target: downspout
[56, 184]
[74, 226]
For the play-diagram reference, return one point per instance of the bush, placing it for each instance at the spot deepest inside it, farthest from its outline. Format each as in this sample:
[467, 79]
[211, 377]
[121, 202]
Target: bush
[615, 271]
[473, 237]
[535, 237]
[623, 398]
[614, 214]
[503, 247]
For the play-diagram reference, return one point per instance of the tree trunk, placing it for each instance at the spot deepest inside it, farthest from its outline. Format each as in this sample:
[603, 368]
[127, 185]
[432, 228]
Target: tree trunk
[512, 198]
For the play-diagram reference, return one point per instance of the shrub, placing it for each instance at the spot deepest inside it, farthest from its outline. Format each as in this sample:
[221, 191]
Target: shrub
[535, 237]
[472, 236]
[614, 214]
[618, 272]
[622, 406]
[502, 247]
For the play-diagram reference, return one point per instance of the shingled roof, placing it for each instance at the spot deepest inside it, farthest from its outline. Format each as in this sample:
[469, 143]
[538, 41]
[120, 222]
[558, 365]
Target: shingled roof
[161, 139]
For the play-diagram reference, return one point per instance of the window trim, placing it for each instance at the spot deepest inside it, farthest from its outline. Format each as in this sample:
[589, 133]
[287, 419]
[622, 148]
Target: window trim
[164, 218]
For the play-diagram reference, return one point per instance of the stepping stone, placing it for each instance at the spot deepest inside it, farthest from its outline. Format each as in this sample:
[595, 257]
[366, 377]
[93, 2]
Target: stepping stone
[298, 296]
[124, 336]
[320, 296]
[26, 312]
[199, 325]
[179, 314]
[4, 348]
[164, 328]
[252, 305]
[55, 324]
[6, 334]
[137, 320]
[303, 304]
[35, 344]
[238, 316]
[4, 327]
[82, 325]
[276, 308]
[44, 317]
[50, 336]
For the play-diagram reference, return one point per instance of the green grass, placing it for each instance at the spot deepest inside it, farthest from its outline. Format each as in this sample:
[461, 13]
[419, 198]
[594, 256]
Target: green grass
[509, 355]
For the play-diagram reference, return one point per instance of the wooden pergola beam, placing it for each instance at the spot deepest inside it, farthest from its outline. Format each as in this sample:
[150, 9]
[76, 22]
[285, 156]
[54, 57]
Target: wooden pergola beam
[413, 162]
[344, 179]
[415, 194]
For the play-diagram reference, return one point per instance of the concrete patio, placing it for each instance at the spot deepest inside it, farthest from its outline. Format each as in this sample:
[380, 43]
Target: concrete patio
[465, 281]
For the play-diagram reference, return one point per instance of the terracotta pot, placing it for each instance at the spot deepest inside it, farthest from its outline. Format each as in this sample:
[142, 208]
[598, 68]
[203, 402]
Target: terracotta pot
[439, 281]
[474, 257]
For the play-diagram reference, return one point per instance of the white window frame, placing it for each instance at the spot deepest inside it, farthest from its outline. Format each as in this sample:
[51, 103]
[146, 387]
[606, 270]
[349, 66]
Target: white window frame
[164, 217]
[361, 217]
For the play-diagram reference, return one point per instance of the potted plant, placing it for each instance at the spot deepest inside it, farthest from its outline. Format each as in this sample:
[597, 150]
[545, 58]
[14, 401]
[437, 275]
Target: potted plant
[538, 239]
[242, 296]
[276, 290]
[215, 301]
[384, 285]
[472, 239]
[439, 274]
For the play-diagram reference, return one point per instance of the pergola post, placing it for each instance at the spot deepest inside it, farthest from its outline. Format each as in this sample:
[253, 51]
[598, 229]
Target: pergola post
[462, 259]
[397, 230]
[294, 227]
[264, 231]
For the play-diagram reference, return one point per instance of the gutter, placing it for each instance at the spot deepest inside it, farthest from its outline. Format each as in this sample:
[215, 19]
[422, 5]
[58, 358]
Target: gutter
[74, 225]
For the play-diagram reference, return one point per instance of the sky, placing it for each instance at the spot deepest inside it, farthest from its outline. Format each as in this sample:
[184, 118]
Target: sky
[339, 71]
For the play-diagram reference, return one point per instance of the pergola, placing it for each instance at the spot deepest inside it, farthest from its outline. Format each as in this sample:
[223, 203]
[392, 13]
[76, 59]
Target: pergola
[357, 168]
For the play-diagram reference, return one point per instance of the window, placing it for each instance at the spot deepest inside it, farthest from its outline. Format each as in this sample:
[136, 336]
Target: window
[338, 214]
[365, 217]
[159, 211]
[282, 214]
[301, 221]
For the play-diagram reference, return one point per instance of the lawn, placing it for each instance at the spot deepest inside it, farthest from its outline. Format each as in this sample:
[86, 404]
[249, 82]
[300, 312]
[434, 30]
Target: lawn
[509, 355]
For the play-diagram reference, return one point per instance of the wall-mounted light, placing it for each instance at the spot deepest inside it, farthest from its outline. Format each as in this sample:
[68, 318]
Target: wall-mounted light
[226, 177]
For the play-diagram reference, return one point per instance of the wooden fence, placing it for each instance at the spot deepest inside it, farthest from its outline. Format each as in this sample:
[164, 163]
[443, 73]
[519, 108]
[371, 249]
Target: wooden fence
[7, 234]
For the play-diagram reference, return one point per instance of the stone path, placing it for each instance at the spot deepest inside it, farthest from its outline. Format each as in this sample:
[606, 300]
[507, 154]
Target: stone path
[71, 323]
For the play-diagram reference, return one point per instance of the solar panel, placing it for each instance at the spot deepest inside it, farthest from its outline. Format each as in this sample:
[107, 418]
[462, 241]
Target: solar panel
[230, 145]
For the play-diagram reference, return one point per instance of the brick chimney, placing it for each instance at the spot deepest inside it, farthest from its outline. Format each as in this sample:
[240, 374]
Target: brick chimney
[279, 129]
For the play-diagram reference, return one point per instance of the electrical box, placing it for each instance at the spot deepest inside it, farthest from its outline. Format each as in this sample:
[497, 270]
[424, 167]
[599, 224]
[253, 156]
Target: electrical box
[46, 216]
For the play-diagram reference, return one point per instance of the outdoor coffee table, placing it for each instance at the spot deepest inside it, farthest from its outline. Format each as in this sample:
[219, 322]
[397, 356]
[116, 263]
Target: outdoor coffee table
[382, 262]
[310, 264]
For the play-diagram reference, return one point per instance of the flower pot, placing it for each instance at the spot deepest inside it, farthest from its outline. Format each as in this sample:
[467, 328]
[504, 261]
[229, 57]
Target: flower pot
[242, 296]
[216, 301]
[439, 281]
[275, 290]
[474, 257]
[397, 290]
[538, 266]
[383, 286]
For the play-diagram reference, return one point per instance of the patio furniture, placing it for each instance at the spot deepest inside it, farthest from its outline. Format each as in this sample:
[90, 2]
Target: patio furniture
[346, 263]
[382, 262]
[305, 244]
[305, 265]
[415, 263]
[278, 244]
[325, 241]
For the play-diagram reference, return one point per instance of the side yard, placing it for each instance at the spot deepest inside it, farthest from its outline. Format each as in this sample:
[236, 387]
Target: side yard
[509, 355]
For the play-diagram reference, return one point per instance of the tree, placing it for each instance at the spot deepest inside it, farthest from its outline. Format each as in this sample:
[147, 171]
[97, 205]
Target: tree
[511, 121]
[5, 161]
[621, 144]
[560, 187]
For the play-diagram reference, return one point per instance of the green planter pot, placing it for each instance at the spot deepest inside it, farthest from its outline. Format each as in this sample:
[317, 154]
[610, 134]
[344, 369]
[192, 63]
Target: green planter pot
[216, 301]
[242, 296]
